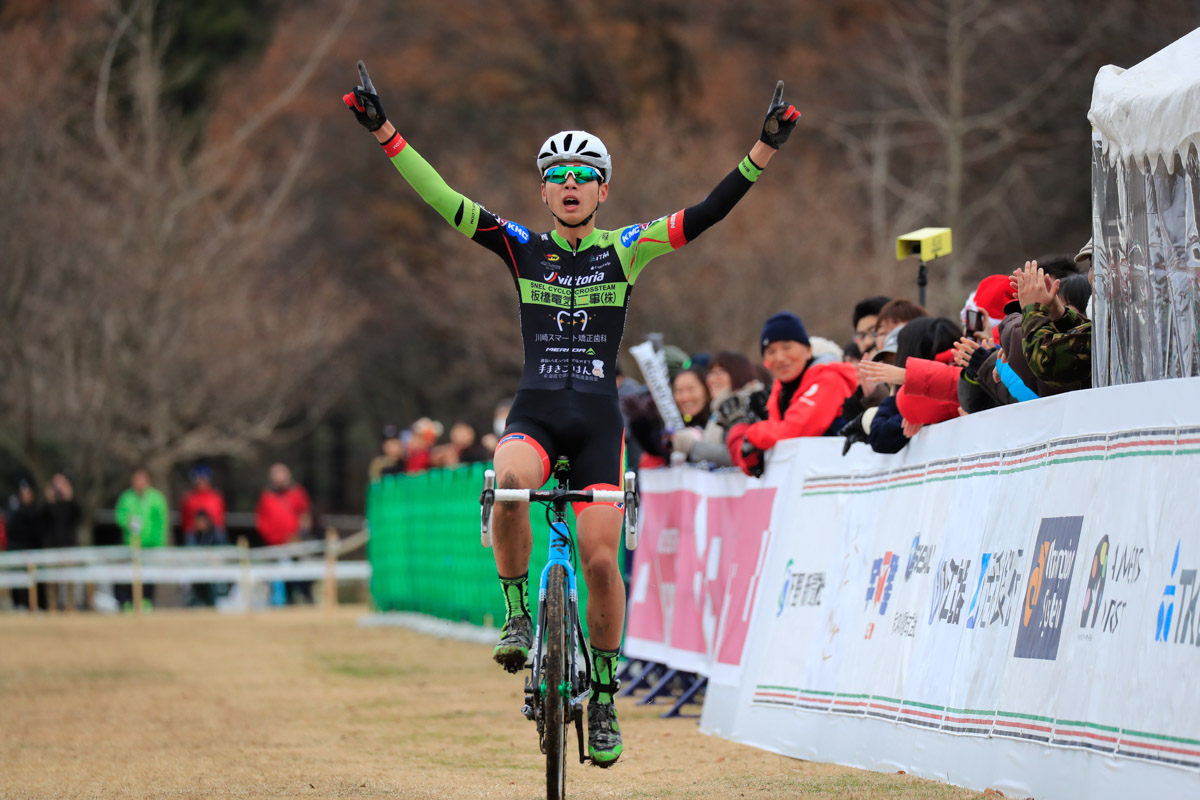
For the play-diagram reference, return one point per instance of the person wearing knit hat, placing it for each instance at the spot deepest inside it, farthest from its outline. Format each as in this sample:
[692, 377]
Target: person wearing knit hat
[806, 397]
[784, 326]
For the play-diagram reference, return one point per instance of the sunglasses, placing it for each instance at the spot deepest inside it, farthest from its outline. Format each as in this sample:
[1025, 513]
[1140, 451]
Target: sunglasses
[582, 174]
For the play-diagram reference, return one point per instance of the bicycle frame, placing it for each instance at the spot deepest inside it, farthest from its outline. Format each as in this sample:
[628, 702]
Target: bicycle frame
[561, 543]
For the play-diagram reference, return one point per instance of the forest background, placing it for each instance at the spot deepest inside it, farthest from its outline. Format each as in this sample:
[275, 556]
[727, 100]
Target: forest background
[202, 255]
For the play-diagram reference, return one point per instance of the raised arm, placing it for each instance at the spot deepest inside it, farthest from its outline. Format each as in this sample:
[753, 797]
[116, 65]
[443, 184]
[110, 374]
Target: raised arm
[457, 209]
[674, 231]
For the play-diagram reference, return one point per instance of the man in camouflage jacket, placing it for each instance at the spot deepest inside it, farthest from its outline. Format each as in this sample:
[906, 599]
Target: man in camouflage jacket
[1057, 339]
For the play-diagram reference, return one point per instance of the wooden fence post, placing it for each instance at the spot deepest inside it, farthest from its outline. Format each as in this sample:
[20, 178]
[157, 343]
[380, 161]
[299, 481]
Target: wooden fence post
[331, 558]
[135, 542]
[247, 585]
[33, 593]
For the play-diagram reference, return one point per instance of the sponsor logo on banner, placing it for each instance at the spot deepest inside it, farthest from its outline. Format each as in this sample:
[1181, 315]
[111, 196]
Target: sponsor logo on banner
[920, 558]
[904, 623]
[800, 589]
[1178, 622]
[879, 588]
[1045, 602]
[998, 590]
[1113, 566]
[949, 591]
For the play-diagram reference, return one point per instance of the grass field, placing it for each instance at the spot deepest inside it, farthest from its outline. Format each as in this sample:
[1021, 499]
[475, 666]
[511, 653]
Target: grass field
[299, 704]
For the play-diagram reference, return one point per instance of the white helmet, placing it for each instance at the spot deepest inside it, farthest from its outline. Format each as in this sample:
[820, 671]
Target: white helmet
[578, 146]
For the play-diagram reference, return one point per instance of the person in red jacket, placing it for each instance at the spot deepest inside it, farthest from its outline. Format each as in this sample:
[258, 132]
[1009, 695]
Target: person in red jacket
[203, 497]
[283, 509]
[806, 398]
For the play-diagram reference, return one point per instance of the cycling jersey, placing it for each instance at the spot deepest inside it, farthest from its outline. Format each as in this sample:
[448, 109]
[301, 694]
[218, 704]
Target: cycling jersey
[573, 301]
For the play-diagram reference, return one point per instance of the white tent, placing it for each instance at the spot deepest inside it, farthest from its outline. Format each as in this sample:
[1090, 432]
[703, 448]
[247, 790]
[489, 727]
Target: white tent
[1146, 217]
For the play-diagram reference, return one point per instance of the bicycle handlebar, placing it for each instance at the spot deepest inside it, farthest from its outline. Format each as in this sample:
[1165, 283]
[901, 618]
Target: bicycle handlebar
[492, 495]
[550, 495]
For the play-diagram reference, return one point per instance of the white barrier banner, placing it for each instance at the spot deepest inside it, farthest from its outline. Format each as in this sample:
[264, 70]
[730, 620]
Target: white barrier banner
[1010, 603]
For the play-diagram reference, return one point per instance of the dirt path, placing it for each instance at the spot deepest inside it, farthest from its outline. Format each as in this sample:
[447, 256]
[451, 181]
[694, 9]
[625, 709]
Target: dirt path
[297, 704]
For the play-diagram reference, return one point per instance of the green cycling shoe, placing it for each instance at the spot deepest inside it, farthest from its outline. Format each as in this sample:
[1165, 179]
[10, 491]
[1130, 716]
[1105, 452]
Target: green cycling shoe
[604, 734]
[515, 640]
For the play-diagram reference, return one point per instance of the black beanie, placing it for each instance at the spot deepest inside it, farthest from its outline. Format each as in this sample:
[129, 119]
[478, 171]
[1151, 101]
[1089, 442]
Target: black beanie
[783, 327]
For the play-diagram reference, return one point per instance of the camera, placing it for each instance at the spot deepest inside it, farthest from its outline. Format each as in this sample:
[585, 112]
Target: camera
[928, 243]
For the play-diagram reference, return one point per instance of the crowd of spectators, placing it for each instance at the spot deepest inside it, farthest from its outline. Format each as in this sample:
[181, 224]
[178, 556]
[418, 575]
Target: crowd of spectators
[283, 514]
[1018, 337]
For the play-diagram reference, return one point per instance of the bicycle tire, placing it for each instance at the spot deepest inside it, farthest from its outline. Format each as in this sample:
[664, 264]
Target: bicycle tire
[557, 682]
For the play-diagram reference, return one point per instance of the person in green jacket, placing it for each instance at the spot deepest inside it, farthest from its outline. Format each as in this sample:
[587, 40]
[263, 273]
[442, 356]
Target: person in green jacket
[141, 509]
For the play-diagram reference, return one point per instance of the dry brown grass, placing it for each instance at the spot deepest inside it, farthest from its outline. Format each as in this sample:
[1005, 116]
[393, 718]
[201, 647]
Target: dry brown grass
[298, 704]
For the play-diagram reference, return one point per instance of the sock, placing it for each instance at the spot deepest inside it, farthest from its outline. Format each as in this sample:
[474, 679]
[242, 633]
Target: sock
[515, 591]
[604, 675]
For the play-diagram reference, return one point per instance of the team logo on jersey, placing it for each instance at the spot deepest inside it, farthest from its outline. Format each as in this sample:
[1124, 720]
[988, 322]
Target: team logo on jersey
[552, 256]
[579, 318]
[551, 277]
[631, 234]
[518, 232]
[598, 368]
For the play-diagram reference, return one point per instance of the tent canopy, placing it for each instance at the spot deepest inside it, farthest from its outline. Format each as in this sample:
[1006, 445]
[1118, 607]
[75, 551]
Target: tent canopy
[1150, 111]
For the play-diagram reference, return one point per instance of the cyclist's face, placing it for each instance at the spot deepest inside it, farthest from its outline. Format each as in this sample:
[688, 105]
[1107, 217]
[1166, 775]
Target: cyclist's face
[786, 359]
[571, 201]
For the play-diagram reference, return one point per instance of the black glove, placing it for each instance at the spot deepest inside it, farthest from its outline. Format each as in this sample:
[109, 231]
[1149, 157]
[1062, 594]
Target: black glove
[732, 410]
[365, 103]
[978, 358]
[780, 121]
[854, 406]
[754, 461]
[853, 431]
[758, 405]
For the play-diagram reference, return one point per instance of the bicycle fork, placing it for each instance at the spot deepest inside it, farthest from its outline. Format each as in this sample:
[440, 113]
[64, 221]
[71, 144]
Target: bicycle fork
[580, 682]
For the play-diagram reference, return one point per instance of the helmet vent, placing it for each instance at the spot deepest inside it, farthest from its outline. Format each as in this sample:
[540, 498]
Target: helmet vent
[567, 141]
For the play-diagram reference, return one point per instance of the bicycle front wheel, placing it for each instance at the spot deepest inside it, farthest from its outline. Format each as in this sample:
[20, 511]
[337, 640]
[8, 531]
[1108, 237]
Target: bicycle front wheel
[557, 683]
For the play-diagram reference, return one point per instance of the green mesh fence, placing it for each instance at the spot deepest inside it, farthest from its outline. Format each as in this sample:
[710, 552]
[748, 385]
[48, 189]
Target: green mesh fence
[425, 553]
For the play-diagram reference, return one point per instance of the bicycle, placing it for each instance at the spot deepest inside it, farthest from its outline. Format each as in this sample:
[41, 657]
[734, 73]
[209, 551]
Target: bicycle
[561, 662]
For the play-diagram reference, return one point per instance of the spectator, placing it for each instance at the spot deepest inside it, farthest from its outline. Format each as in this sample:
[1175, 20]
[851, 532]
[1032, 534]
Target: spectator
[26, 526]
[205, 533]
[860, 408]
[691, 396]
[283, 515]
[866, 316]
[851, 353]
[1076, 292]
[62, 530]
[461, 449]
[736, 394]
[1057, 339]
[644, 422]
[931, 398]
[990, 297]
[203, 497]
[391, 460]
[283, 509]
[806, 398]
[141, 511]
[425, 433]
[895, 314]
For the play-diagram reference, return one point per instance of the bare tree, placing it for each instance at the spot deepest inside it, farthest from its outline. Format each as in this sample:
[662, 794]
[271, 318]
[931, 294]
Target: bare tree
[961, 132]
[162, 322]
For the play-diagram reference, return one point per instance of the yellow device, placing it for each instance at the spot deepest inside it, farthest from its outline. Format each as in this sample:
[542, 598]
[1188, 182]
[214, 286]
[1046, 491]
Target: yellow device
[928, 243]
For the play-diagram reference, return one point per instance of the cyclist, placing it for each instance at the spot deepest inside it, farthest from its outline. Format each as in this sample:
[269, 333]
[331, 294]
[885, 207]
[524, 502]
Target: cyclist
[573, 283]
